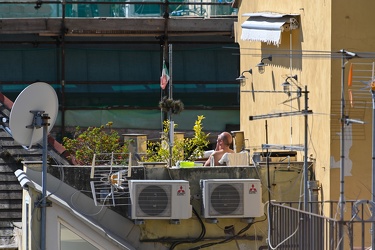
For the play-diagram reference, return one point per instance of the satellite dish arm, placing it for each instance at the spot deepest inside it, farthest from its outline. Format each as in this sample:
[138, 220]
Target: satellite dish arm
[8, 131]
[4, 127]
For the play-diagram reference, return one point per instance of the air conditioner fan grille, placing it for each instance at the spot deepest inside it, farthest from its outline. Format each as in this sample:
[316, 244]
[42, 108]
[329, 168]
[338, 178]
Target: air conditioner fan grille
[154, 200]
[226, 199]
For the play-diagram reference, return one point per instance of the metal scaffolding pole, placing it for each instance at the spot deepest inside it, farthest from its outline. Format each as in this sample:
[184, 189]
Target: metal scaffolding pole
[345, 55]
[373, 162]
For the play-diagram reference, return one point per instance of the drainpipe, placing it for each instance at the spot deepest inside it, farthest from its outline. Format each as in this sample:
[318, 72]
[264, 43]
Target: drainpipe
[314, 194]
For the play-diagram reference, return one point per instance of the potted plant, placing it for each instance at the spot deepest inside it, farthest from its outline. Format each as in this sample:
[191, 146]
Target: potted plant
[171, 106]
[186, 149]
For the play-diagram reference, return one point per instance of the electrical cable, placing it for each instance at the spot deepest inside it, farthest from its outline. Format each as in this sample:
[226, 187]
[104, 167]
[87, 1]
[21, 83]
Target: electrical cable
[86, 214]
[31, 225]
[272, 192]
[223, 241]
[227, 239]
[295, 231]
[37, 204]
[62, 177]
[255, 233]
[305, 53]
[200, 237]
[284, 240]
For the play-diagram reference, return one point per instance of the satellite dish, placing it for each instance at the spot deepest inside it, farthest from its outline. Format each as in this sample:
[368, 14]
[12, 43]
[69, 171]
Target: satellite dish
[34, 101]
[35, 107]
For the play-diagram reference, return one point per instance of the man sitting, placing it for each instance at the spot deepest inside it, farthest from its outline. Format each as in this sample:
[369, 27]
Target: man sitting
[224, 140]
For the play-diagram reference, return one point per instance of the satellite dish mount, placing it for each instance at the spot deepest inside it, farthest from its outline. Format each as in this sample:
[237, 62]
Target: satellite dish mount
[30, 112]
[40, 119]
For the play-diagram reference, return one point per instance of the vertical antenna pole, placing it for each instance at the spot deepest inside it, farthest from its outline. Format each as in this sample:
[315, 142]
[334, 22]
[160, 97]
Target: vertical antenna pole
[342, 156]
[44, 183]
[268, 166]
[306, 168]
[373, 161]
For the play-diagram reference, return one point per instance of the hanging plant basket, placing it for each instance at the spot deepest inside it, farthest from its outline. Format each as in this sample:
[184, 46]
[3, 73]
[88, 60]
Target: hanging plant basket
[170, 105]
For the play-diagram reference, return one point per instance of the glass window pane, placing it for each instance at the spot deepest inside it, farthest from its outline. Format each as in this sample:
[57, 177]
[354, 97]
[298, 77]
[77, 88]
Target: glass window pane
[70, 240]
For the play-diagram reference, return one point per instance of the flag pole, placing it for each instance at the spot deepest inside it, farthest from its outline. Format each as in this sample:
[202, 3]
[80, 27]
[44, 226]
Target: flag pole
[171, 128]
[170, 71]
[163, 84]
[164, 79]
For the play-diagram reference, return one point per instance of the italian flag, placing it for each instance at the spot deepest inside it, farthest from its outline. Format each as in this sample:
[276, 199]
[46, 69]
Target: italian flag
[164, 76]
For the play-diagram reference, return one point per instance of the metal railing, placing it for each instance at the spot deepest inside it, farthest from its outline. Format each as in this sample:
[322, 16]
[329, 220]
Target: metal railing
[293, 228]
[115, 8]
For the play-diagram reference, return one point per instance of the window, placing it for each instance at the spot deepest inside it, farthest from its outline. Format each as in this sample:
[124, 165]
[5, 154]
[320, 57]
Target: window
[70, 240]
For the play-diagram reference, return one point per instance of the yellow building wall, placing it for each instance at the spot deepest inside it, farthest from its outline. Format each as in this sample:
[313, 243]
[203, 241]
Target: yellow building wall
[313, 71]
[325, 27]
[352, 30]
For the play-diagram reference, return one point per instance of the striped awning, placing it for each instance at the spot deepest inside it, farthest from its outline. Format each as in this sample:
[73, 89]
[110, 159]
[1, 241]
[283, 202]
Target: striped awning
[267, 27]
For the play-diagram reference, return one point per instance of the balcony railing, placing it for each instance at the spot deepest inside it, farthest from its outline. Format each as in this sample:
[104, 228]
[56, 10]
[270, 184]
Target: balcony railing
[292, 228]
[115, 8]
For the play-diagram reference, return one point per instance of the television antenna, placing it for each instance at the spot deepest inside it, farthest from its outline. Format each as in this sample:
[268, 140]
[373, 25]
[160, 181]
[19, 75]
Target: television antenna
[109, 181]
[305, 113]
[34, 108]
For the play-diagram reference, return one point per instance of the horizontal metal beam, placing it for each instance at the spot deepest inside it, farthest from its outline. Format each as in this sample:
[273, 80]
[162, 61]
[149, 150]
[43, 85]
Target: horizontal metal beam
[110, 27]
[275, 115]
[274, 91]
[283, 147]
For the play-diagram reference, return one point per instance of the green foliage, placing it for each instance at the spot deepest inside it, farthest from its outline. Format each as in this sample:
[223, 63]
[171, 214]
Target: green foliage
[194, 147]
[183, 149]
[95, 141]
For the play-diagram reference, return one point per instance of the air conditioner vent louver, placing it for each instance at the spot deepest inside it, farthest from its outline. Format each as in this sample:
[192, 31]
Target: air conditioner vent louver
[231, 198]
[160, 199]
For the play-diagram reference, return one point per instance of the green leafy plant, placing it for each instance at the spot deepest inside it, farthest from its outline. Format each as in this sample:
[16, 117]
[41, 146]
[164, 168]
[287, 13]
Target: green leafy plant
[103, 142]
[194, 147]
[183, 149]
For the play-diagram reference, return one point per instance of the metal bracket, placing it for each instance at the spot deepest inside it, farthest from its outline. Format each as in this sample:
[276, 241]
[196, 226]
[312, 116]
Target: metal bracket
[40, 204]
[293, 23]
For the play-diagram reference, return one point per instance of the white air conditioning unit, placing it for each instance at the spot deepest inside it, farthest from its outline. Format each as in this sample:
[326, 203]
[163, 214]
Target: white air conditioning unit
[160, 199]
[232, 198]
